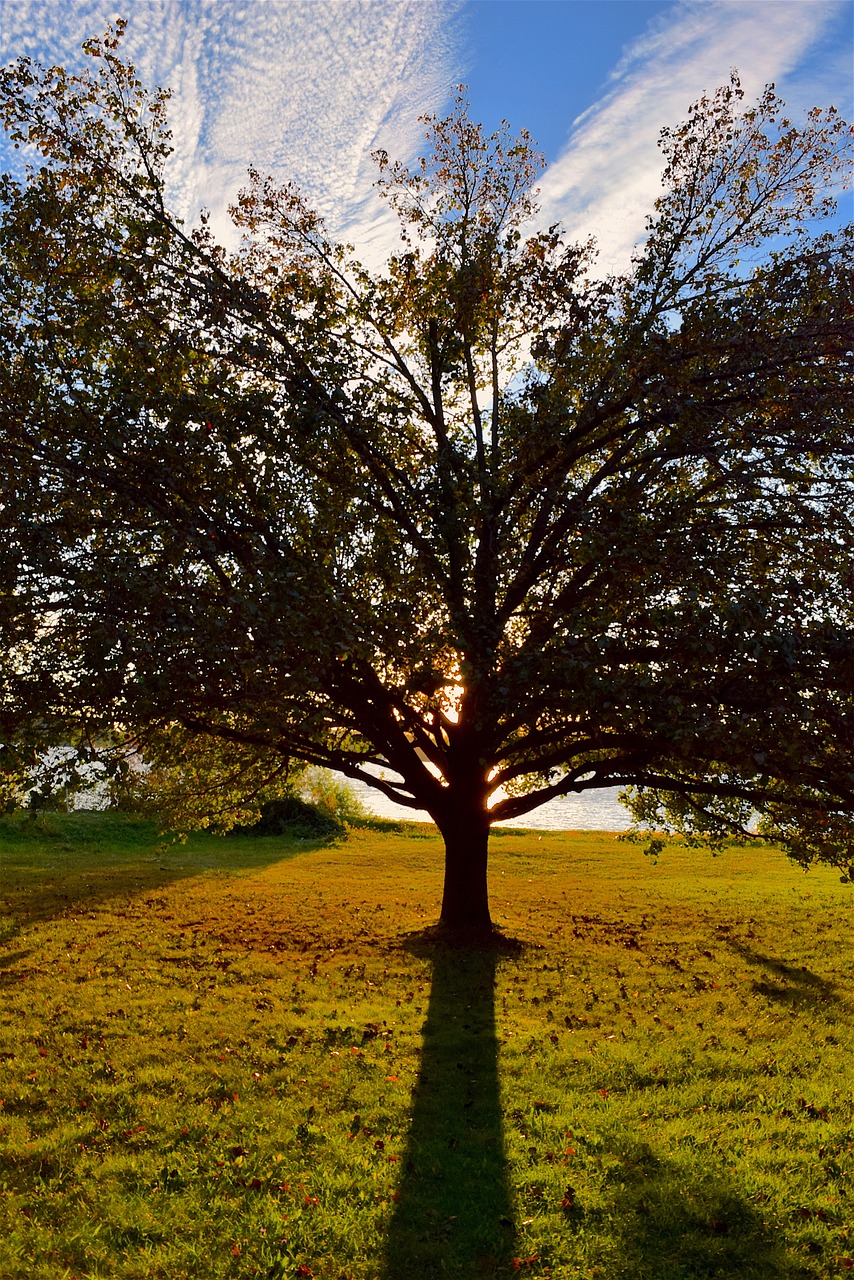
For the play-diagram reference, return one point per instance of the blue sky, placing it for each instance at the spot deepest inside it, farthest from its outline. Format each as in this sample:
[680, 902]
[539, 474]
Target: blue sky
[307, 88]
[542, 63]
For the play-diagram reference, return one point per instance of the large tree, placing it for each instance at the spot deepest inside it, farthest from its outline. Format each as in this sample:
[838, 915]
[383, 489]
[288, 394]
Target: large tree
[482, 520]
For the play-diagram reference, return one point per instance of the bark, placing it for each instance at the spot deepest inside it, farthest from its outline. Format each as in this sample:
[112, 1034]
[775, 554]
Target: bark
[465, 900]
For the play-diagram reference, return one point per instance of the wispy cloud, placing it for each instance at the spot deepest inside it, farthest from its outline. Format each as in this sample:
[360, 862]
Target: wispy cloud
[607, 179]
[303, 89]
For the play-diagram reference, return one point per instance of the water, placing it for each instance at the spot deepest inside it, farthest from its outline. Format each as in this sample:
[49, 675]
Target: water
[591, 811]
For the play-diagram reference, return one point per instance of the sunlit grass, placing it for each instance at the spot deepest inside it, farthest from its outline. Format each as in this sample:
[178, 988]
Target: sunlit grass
[237, 1058]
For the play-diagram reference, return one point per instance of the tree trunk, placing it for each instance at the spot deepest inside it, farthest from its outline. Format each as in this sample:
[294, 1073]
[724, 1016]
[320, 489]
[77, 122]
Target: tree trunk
[465, 902]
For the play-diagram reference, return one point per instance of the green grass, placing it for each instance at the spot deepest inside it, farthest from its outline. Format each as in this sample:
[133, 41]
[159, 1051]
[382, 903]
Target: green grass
[238, 1058]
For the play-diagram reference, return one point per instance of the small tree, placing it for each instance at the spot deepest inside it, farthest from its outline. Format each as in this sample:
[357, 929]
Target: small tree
[499, 528]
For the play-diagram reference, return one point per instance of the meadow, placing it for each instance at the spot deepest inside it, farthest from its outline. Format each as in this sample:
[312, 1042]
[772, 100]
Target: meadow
[241, 1058]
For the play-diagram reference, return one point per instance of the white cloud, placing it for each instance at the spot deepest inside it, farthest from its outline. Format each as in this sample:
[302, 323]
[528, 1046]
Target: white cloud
[606, 180]
[304, 89]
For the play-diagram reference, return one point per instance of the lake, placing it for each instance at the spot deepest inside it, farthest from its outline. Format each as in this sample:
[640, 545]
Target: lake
[591, 811]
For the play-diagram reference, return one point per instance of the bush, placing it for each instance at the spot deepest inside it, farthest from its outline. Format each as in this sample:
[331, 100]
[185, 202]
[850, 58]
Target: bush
[333, 796]
[293, 817]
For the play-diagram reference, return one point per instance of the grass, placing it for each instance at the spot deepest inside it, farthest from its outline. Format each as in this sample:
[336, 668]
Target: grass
[240, 1058]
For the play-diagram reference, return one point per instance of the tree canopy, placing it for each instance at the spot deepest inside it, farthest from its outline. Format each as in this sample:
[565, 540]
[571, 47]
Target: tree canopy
[480, 520]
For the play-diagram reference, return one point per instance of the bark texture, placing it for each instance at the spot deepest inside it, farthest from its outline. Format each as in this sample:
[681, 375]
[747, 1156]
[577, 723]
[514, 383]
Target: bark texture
[465, 901]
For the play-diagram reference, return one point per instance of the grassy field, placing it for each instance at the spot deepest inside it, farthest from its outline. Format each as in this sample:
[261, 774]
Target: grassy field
[238, 1058]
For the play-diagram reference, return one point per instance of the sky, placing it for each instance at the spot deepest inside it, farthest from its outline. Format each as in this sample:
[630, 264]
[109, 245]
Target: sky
[306, 89]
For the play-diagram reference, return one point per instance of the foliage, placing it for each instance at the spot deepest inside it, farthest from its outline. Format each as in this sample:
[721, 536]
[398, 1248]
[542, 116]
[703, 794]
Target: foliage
[293, 816]
[227, 1059]
[189, 781]
[333, 796]
[39, 775]
[480, 521]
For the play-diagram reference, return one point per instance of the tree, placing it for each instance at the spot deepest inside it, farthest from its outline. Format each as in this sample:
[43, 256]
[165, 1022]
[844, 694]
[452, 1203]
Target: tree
[482, 520]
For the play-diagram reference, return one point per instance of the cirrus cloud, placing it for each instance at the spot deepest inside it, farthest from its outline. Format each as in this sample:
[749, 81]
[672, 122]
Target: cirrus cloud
[304, 89]
[606, 180]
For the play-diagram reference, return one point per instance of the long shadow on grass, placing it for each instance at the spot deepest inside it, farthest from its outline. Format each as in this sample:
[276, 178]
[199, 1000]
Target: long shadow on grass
[78, 861]
[672, 1222]
[794, 986]
[453, 1216]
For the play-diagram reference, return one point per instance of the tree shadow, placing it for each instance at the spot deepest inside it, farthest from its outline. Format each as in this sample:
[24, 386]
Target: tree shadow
[798, 987]
[8, 962]
[674, 1223]
[453, 1216]
[78, 861]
